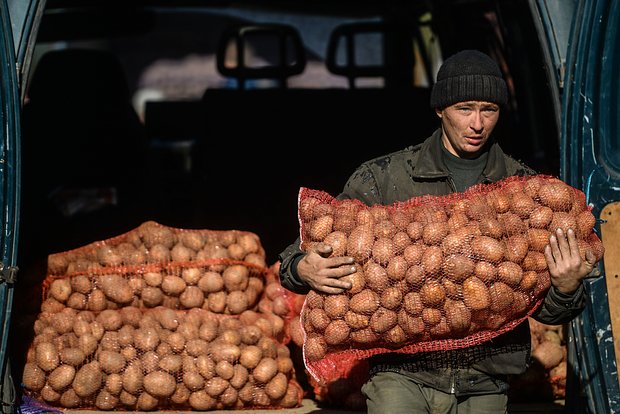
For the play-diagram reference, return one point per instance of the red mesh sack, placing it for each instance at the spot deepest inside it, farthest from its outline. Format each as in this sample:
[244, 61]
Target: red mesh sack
[155, 265]
[158, 359]
[435, 272]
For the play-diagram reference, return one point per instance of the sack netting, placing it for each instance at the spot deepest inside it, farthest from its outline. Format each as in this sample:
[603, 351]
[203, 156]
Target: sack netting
[219, 270]
[435, 272]
[161, 318]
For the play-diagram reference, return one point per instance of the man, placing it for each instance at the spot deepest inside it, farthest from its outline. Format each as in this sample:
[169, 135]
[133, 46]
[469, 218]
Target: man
[467, 98]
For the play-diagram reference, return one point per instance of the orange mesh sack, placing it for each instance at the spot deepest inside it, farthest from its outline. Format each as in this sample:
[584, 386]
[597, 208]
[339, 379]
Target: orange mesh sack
[435, 272]
[158, 359]
[219, 270]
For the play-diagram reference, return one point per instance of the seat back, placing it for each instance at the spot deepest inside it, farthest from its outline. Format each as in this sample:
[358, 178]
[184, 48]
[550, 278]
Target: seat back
[79, 125]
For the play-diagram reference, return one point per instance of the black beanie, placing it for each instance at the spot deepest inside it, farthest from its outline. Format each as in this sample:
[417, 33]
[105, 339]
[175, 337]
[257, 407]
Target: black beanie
[468, 75]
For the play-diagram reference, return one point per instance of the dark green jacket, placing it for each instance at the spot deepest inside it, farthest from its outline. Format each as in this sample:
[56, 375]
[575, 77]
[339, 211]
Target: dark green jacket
[420, 170]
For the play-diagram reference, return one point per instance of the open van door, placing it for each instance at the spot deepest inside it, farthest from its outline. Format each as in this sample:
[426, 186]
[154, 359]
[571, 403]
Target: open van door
[16, 40]
[590, 160]
[581, 44]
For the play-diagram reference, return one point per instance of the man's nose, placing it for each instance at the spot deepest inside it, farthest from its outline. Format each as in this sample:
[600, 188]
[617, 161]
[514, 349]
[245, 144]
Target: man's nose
[477, 122]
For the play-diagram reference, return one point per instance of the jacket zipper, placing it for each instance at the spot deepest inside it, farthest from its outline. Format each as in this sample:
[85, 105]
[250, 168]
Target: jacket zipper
[453, 381]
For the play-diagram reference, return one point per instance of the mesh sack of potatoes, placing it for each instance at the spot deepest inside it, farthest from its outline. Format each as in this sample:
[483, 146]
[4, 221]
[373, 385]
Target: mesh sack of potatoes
[435, 272]
[153, 265]
[283, 303]
[545, 377]
[158, 359]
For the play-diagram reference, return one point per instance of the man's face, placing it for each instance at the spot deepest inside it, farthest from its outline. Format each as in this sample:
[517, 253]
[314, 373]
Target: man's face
[467, 126]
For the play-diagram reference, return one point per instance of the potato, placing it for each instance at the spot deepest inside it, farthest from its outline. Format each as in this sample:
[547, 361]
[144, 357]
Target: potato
[366, 302]
[106, 401]
[432, 294]
[191, 297]
[365, 336]
[541, 217]
[433, 233]
[33, 377]
[314, 347]
[522, 204]
[488, 249]
[180, 396]
[46, 356]
[146, 402]
[458, 316]
[337, 332]
[501, 296]
[159, 384]
[49, 394]
[193, 381]
[432, 260]
[319, 228]
[88, 380]
[458, 267]
[585, 224]
[116, 288]
[360, 242]
[201, 401]
[181, 253]
[146, 339]
[413, 253]
[237, 302]
[111, 362]
[152, 233]
[266, 369]
[391, 298]
[548, 354]
[69, 399]
[336, 306]
[475, 294]
[60, 289]
[236, 277]
[490, 226]
[97, 301]
[556, 195]
[276, 387]
[431, 316]
[381, 321]
[510, 273]
[88, 344]
[114, 384]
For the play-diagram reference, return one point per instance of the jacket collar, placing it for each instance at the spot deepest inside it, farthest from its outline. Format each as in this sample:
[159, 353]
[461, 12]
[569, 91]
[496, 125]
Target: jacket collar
[430, 162]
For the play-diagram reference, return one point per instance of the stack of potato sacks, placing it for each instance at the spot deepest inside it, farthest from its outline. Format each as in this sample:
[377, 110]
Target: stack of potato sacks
[434, 272]
[161, 318]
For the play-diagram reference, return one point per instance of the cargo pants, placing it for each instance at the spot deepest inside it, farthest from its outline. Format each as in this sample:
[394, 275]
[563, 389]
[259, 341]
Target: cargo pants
[394, 393]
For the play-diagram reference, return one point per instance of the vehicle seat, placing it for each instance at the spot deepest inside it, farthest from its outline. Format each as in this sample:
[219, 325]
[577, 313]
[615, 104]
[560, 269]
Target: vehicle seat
[79, 126]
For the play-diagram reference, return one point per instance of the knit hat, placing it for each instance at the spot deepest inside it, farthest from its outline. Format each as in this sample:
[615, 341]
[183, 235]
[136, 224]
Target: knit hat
[468, 75]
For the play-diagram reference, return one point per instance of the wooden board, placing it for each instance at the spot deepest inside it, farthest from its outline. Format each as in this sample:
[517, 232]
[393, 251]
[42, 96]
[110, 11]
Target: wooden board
[610, 235]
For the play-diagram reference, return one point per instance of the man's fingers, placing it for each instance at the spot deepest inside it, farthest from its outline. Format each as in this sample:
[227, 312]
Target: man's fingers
[550, 260]
[572, 243]
[556, 255]
[590, 258]
[560, 236]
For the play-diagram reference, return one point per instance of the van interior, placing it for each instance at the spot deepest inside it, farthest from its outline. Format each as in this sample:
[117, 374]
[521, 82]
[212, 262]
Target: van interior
[213, 114]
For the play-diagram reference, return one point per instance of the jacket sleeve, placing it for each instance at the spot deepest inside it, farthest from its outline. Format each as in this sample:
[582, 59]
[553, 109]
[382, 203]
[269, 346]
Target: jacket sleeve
[360, 185]
[558, 308]
[288, 269]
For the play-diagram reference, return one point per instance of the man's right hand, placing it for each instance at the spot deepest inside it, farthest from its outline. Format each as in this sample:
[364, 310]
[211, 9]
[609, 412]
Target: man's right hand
[322, 272]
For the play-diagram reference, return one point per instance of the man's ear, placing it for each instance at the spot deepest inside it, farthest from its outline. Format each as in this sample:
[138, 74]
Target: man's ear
[439, 112]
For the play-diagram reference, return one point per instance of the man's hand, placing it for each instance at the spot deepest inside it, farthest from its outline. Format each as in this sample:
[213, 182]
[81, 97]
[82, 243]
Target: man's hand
[566, 267]
[322, 272]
